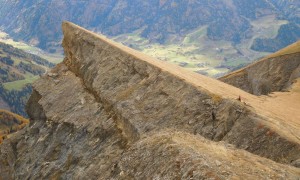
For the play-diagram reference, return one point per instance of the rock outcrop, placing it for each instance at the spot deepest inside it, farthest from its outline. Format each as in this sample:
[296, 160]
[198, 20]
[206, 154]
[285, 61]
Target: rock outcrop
[109, 112]
[274, 73]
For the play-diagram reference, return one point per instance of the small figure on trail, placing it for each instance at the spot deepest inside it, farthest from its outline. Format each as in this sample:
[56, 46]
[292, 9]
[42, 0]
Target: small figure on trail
[239, 98]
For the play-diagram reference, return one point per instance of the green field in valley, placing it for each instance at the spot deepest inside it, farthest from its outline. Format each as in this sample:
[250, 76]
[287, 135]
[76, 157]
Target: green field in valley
[52, 57]
[196, 52]
[18, 85]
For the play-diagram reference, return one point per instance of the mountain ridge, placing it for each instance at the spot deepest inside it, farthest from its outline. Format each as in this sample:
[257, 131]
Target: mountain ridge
[202, 82]
[281, 73]
[111, 112]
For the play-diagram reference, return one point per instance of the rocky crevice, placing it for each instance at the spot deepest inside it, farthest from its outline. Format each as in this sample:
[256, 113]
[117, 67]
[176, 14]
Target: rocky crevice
[128, 131]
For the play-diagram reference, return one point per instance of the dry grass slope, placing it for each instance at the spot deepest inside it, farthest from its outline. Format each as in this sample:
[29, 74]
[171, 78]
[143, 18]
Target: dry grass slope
[10, 122]
[291, 49]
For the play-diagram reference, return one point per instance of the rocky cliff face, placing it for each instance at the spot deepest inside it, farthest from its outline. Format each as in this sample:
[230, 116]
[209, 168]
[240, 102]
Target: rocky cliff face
[109, 112]
[275, 73]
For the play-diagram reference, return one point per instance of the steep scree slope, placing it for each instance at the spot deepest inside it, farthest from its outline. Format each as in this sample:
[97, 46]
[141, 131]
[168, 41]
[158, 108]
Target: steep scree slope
[110, 112]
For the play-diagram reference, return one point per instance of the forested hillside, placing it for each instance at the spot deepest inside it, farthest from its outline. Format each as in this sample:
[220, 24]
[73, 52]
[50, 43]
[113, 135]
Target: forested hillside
[18, 70]
[9, 123]
[160, 20]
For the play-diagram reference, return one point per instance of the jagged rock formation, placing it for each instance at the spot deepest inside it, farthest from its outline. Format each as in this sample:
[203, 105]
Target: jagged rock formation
[274, 73]
[109, 112]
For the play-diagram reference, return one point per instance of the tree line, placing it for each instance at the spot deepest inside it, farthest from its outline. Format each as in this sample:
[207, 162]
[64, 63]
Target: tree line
[16, 99]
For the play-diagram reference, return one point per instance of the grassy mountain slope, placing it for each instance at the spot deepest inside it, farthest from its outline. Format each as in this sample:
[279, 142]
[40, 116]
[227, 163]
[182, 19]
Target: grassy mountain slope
[276, 72]
[287, 34]
[18, 70]
[9, 123]
[51, 57]
[17, 66]
[293, 48]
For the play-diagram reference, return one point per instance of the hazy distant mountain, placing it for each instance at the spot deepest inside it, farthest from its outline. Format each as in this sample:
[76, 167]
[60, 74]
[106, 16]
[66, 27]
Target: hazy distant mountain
[38, 22]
